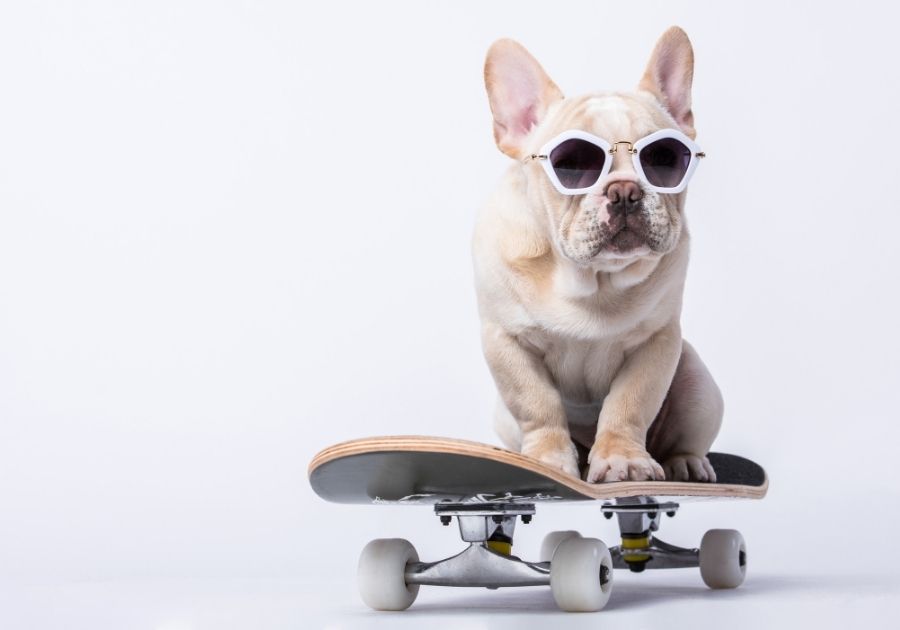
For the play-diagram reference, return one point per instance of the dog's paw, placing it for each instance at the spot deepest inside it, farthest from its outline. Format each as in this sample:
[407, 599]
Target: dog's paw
[556, 451]
[689, 468]
[622, 464]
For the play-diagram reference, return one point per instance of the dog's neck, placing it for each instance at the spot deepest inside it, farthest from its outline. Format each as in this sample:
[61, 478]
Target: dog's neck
[580, 281]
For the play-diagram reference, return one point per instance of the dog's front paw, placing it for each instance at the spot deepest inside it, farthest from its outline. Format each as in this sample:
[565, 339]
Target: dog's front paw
[617, 461]
[552, 449]
[689, 468]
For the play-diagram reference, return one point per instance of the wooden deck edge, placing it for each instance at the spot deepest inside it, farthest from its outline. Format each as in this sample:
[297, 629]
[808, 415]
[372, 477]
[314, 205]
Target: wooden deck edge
[469, 448]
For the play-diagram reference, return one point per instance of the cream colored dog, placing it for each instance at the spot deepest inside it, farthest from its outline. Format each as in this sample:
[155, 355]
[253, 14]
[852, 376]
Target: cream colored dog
[580, 307]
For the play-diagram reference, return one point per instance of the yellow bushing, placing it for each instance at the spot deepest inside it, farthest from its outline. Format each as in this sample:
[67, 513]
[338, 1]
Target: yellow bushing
[635, 545]
[500, 546]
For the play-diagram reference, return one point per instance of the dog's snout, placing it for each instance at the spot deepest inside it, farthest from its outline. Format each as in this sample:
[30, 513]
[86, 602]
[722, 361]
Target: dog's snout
[624, 196]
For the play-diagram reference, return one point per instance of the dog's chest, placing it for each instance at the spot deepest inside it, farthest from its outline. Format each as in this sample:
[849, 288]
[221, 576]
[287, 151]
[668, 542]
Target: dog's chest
[584, 343]
[582, 370]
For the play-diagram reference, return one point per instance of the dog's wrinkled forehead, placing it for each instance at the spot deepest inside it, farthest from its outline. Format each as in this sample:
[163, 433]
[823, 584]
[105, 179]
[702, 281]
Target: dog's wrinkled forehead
[613, 117]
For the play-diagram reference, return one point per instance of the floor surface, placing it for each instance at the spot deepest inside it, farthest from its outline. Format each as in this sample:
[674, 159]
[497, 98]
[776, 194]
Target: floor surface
[678, 597]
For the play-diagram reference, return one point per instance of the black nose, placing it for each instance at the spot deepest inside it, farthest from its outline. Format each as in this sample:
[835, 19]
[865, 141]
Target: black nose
[624, 197]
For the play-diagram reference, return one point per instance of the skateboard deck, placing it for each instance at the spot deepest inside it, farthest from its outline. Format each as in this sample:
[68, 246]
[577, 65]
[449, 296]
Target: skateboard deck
[432, 470]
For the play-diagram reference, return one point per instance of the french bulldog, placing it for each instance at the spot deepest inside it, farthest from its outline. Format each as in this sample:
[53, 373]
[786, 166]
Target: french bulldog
[580, 258]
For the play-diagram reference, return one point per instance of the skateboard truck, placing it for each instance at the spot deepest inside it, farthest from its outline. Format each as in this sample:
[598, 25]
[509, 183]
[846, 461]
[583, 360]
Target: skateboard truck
[578, 570]
[638, 518]
[488, 560]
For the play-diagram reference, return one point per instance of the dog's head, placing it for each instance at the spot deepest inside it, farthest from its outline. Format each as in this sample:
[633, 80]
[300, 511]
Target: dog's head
[621, 218]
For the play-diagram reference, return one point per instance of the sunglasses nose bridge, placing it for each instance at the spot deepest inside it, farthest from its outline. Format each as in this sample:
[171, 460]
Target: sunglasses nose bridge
[614, 147]
[622, 154]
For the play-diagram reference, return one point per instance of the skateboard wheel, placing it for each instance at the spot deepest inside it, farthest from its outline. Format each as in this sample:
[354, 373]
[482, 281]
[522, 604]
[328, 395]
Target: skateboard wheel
[380, 574]
[581, 574]
[723, 558]
[551, 542]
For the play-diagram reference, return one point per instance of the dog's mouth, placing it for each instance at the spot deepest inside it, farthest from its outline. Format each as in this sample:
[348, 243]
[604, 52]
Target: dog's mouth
[588, 237]
[625, 234]
[626, 240]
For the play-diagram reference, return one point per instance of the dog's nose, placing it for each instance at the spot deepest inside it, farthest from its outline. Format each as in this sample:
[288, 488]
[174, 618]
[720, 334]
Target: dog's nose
[624, 197]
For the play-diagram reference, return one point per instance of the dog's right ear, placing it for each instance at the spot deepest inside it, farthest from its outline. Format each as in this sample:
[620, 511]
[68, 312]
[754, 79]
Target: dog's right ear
[669, 76]
[520, 92]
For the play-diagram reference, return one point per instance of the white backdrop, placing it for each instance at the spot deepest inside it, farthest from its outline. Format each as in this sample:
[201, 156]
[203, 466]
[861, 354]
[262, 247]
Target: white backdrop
[232, 234]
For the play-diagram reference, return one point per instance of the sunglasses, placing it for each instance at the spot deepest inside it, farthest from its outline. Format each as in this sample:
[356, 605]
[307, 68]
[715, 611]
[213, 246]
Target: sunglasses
[576, 160]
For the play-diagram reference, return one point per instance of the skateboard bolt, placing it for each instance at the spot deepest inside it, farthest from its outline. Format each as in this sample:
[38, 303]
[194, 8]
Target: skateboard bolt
[445, 520]
[652, 515]
[670, 514]
[607, 515]
[526, 518]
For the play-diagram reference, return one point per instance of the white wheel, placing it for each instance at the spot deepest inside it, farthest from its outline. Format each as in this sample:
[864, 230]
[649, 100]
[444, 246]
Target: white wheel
[723, 558]
[380, 575]
[551, 542]
[581, 575]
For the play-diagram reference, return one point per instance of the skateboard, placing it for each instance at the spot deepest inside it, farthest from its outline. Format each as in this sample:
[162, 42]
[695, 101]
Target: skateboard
[488, 489]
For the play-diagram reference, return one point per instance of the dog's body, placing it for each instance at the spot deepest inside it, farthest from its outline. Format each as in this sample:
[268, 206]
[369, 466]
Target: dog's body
[580, 296]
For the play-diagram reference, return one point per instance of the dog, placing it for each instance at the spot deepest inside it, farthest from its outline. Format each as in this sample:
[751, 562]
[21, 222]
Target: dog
[580, 259]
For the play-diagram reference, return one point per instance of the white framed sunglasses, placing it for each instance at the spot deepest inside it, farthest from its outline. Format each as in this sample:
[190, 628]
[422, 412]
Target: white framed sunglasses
[576, 160]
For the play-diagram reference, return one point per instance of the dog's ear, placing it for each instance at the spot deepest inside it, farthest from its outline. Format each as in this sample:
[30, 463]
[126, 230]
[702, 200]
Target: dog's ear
[669, 75]
[519, 92]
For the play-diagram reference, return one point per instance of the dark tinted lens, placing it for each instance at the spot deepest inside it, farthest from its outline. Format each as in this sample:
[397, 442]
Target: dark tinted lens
[665, 162]
[577, 163]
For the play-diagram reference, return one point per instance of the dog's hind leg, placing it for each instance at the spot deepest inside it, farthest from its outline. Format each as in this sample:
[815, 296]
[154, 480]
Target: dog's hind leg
[688, 422]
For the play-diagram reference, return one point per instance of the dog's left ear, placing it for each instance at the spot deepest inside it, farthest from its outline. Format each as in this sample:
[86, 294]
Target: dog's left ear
[669, 75]
[519, 91]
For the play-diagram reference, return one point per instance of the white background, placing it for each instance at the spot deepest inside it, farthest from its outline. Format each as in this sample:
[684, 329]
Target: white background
[232, 234]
